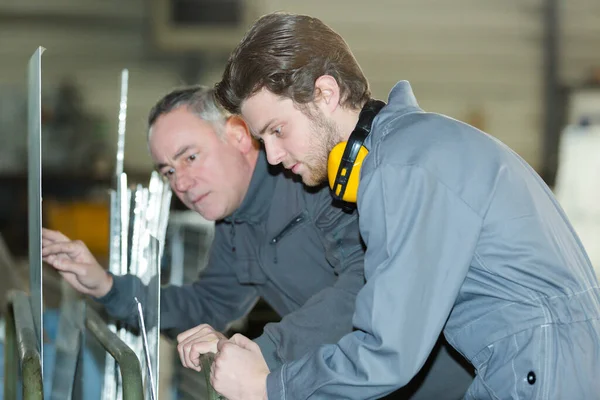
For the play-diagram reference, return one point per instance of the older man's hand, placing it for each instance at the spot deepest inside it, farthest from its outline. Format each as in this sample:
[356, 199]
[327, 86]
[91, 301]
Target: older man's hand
[194, 342]
[239, 371]
[73, 260]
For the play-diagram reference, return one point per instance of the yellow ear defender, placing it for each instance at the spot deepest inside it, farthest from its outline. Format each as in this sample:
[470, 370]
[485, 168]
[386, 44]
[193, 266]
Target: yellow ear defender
[346, 158]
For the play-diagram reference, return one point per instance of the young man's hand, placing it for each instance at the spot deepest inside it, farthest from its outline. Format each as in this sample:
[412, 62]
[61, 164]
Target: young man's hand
[239, 371]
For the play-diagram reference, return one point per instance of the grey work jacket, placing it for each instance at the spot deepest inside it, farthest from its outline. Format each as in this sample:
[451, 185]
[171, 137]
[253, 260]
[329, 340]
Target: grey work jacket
[462, 236]
[286, 244]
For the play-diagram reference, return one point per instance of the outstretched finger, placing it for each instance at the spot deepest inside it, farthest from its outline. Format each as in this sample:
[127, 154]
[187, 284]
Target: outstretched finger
[47, 242]
[63, 264]
[68, 248]
[54, 236]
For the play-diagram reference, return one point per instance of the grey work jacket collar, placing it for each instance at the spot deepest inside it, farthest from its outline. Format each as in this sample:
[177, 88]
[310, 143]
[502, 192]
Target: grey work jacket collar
[260, 192]
[401, 101]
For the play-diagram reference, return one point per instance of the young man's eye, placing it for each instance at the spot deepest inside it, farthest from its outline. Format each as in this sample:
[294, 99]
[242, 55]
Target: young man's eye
[278, 132]
[168, 172]
[192, 157]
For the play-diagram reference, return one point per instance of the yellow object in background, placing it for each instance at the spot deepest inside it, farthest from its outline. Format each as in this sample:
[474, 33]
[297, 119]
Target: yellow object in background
[85, 221]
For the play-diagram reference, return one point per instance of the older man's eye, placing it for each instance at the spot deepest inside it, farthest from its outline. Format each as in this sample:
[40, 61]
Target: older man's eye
[278, 132]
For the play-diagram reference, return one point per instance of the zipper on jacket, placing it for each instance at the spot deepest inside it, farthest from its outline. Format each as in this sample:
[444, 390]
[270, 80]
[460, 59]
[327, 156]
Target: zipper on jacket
[286, 229]
[232, 233]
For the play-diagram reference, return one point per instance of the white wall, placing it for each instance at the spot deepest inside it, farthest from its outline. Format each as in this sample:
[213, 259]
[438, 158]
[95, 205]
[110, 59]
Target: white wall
[463, 57]
[87, 50]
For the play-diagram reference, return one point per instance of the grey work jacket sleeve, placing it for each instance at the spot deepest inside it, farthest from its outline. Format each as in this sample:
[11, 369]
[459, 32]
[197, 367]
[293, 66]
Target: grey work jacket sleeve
[327, 315]
[119, 301]
[420, 240]
[217, 298]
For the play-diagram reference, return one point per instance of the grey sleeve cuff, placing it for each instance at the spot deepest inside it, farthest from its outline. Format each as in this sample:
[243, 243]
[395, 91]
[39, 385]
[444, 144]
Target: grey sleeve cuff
[269, 351]
[112, 294]
[118, 302]
[275, 386]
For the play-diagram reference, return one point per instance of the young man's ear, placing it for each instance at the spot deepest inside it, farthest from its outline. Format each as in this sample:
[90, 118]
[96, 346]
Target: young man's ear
[327, 93]
[237, 134]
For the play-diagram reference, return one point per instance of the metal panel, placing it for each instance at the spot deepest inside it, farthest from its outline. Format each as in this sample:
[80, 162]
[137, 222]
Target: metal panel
[34, 178]
[153, 311]
[119, 222]
[151, 378]
[69, 339]
[145, 263]
[138, 224]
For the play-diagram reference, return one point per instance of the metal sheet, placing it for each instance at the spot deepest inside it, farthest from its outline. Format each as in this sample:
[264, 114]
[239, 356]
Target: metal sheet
[122, 122]
[121, 177]
[124, 195]
[34, 191]
[9, 272]
[149, 369]
[139, 225]
[159, 205]
[109, 387]
[153, 306]
[68, 344]
[177, 255]
[119, 227]
[145, 264]
[138, 228]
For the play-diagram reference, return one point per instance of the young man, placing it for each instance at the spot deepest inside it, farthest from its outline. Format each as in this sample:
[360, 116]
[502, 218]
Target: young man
[273, 239]
[462, 236]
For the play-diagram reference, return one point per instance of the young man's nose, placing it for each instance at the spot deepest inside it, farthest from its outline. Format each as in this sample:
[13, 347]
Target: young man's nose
[275, 153]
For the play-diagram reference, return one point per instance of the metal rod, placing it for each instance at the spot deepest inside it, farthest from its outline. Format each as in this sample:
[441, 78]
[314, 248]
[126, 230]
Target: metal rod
[11, 362]
[129, 364]
[206, 361]
[21, 337]
[146, 349]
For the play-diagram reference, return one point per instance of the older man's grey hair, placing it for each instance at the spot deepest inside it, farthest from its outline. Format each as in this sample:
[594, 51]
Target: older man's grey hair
[200, 100]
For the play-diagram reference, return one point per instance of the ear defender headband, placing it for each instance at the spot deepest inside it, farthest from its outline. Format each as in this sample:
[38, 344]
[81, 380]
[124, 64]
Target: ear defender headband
[345, 159]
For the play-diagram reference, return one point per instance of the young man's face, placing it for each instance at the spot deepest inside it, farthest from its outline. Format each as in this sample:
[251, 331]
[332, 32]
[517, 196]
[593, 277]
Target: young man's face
[299, 141]
[208, 173]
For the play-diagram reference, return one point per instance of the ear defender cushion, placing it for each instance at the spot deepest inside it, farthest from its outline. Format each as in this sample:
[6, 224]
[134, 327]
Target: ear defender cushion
[346, 158]
[333, 163]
